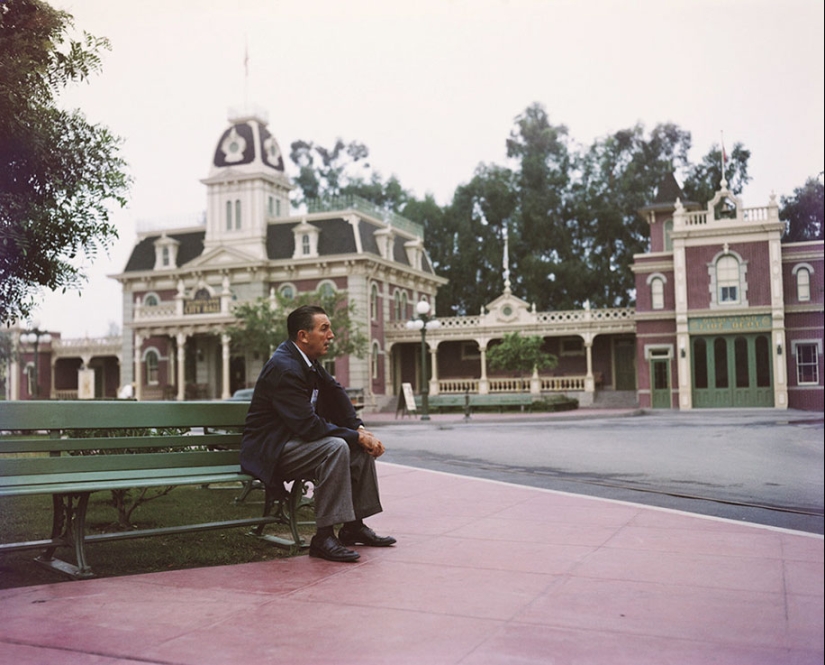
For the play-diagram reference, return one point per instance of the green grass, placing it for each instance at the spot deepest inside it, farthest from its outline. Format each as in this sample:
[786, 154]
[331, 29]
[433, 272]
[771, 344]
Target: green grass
[29, 518]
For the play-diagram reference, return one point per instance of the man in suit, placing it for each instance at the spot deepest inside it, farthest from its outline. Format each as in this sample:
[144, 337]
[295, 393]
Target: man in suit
[301, 424]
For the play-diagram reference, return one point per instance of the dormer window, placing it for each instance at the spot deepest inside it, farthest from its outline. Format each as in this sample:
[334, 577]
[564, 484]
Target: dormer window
[306, 241]
[384, 240]
[166, 253]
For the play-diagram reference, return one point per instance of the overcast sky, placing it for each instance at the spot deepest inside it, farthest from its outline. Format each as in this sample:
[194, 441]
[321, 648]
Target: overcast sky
[432, 87]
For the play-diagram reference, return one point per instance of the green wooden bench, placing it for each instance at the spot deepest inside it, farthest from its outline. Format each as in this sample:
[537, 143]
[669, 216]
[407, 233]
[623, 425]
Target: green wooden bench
[73, 448]
[444, 401]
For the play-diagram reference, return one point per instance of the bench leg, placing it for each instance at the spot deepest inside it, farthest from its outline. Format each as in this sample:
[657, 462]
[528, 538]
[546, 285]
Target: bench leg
[248, 486]
[68, 529]
[286, 506]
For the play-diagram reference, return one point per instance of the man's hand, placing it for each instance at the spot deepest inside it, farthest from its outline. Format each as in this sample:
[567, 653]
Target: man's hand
[369, 442]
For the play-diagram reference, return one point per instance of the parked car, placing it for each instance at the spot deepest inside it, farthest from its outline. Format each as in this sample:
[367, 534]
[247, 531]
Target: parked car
[242, 395]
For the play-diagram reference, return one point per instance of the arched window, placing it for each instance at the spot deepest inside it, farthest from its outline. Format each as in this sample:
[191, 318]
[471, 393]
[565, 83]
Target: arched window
[396, 306]
[374, 360]
[287, 291]
[803, 285]
[404, 307]
[727, 280]
[229, 215]
[305, 246]
[151, 300]
[152, 361]
[238, 214]
[374, 302]
[326, 289]
[657, 293]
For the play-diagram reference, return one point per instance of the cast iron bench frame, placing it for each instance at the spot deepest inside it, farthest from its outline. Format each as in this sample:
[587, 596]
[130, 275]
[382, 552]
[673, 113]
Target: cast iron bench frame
[39, 462]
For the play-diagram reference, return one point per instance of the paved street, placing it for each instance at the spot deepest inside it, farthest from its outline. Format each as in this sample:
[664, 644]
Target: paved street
[758, 465]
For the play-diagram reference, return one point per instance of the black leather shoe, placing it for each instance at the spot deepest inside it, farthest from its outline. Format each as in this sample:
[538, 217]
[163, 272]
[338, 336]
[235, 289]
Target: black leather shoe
[331, 549]
[363, 535]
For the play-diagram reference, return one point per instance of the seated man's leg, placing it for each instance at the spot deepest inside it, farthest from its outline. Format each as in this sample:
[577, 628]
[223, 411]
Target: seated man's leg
[365, 499]
[327, 462]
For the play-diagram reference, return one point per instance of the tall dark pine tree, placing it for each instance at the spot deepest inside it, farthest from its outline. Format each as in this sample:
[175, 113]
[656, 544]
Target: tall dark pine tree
[543, 231]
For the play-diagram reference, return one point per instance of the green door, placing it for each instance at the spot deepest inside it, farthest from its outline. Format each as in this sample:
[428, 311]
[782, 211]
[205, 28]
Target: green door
[660, 383]
[732, 371]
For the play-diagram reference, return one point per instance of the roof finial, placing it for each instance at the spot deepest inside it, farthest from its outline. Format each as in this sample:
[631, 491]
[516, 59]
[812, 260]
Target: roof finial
[506, 262]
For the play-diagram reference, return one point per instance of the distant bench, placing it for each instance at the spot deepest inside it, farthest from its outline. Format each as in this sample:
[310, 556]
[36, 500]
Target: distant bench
[491, 400]
[133, 445]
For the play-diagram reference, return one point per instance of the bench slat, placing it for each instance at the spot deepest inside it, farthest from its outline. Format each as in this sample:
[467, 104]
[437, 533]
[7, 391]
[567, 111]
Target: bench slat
[99, 483]
[70, 414]
[43, 444]
[22, 466]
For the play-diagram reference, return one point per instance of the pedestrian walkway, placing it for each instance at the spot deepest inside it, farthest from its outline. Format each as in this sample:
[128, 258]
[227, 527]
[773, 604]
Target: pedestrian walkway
[484, 573]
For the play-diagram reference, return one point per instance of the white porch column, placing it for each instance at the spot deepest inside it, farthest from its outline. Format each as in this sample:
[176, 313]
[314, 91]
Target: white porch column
[434, 368]
[225, 366]
[483, 384]
[589, 382]
[138, 367]
[180, 338]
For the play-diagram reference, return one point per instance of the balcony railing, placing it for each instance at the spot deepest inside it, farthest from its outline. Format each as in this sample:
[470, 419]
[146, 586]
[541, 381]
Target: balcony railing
[353, 202]
[549, 384]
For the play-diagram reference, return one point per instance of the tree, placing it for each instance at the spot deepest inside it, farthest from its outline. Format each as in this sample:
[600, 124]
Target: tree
[58, 173]
[520, 354]
[261, 325]
[469, 250]
[618, 175]
[323, 172]
[803, 211]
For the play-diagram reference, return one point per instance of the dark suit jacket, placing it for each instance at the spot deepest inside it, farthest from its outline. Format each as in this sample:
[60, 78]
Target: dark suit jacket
[281, 409]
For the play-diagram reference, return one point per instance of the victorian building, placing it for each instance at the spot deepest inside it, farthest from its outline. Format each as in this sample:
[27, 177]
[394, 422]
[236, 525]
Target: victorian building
[726, 315]
[180, 285]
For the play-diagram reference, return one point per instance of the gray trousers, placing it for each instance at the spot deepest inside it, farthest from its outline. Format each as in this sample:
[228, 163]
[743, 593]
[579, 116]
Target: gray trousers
[346, 484]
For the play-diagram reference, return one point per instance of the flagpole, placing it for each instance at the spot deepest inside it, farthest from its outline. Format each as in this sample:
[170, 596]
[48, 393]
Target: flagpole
[246, 74]
[723, 157]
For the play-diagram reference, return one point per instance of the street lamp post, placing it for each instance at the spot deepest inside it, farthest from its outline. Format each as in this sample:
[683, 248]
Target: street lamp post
[34, 336]
[424, 322]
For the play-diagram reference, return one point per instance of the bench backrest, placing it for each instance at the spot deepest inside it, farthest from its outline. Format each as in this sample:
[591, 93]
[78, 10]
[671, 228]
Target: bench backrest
[99, 439]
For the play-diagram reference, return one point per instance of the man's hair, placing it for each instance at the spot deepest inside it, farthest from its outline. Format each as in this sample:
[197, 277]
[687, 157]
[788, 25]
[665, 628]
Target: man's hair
[302, 318]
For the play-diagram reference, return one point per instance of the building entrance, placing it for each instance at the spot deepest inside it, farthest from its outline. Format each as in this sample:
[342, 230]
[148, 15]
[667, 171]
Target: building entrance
[660, 383]
[732, 371]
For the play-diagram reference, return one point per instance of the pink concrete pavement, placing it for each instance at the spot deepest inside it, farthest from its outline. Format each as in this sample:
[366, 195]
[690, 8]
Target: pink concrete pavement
[483, 573]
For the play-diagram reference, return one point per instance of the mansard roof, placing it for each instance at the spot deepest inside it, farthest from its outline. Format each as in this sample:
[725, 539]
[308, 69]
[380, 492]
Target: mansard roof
[143, 254]
[336, 237]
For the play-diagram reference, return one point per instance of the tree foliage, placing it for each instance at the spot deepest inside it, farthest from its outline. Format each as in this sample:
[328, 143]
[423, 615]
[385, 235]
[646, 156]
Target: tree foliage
[520, 354]
[261, 325]
[58, 173]
[702, 180]
[570, 212]
[803, 212]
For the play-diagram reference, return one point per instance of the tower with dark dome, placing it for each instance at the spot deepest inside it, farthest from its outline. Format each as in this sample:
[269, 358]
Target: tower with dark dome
[246, 186]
